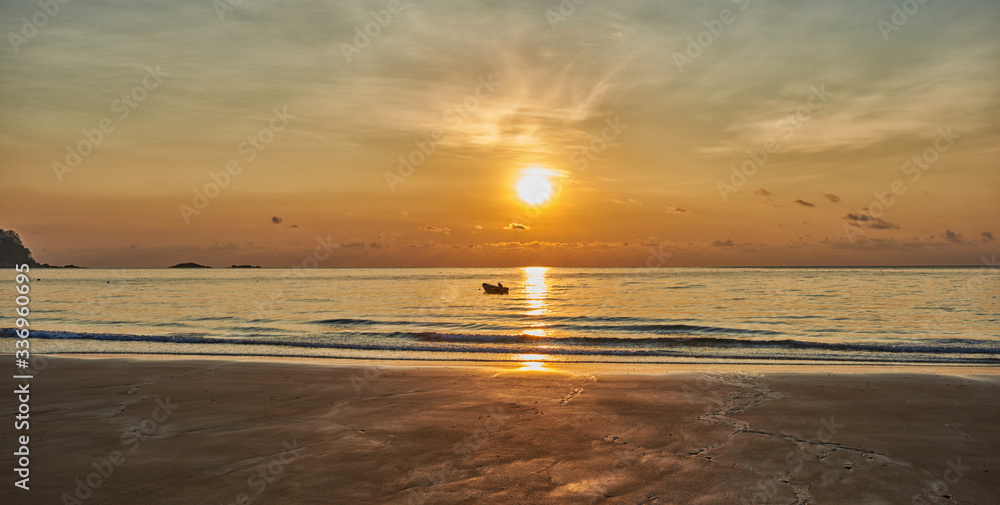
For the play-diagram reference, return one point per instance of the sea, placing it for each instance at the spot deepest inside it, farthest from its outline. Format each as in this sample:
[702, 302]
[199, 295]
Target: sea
[942, 316]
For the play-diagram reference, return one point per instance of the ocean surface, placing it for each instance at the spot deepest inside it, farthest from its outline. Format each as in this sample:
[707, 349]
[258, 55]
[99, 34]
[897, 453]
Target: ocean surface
[634, 315]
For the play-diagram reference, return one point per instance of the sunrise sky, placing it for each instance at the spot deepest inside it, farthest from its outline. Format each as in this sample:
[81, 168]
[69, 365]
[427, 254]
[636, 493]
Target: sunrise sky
[635, 113]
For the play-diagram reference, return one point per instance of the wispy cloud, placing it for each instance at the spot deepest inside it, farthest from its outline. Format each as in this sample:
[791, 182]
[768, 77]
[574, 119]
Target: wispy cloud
[952, 237]
[866, 221]
[435, 229]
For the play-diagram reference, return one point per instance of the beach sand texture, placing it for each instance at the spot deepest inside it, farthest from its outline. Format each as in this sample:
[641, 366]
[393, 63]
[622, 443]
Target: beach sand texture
[221, 432]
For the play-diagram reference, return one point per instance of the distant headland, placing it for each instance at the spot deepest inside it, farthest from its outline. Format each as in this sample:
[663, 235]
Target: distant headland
[13, 252]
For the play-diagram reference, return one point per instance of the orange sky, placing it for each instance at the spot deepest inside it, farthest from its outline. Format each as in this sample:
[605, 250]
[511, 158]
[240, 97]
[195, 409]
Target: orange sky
[642, 116]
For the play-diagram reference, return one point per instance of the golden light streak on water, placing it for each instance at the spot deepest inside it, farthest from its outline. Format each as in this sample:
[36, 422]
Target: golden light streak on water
[531, 362]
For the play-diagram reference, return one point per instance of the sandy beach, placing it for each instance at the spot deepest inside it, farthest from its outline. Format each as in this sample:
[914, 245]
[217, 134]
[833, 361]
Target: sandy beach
[164, 431]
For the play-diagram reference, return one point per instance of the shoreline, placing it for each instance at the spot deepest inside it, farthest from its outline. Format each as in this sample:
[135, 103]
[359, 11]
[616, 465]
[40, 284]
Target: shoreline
[168, 430]
[605, 367]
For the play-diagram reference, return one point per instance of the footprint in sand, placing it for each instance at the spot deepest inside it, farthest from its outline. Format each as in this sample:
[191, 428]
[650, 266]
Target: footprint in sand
[572, 394]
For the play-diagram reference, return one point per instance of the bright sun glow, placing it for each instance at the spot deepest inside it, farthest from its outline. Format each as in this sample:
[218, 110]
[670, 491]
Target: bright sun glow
[534, 187]
[532, 362]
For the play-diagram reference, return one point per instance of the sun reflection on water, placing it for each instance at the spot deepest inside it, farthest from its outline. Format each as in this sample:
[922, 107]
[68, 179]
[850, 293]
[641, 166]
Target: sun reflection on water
[535, 293]
[535, 290]
[531, 362]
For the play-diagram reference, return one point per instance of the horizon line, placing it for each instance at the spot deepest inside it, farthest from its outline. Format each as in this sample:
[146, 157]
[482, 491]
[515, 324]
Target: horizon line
[71, 267]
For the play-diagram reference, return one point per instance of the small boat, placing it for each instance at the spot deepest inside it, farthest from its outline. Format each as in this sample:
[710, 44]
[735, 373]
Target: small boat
[499, 289]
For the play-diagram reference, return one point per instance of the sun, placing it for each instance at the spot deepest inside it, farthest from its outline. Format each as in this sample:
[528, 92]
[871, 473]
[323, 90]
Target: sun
[534, 187]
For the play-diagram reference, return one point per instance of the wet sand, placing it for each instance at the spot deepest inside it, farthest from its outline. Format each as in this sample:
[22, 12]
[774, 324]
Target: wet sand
[164, 431]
